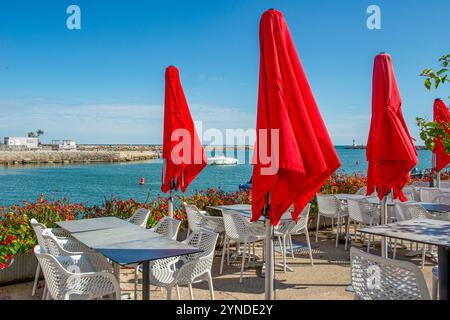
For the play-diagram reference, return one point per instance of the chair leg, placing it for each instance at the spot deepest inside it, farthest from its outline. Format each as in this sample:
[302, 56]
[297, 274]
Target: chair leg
[338, 231]
[291, 246]
[368, 243]
[223, 254]
[308, 242]
[136, 281]
[243, 261]
[424, 250]
[45, 293]
[191, 292]
[178, 292]
[210, 284]
[394, 253]
[169, 293]
[317, 227]
[254, 251]
[347, 236]
[36, 279]
[284, 252]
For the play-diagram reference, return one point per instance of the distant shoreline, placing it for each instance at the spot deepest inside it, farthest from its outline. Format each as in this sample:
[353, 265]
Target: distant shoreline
[105, 153]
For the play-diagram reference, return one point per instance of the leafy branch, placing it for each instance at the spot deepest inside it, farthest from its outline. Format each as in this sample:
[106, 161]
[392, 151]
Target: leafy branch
[438, 77]
[430, 132]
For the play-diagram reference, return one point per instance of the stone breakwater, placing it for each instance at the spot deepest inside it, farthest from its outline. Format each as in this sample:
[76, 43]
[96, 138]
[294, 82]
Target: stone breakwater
[53, 156]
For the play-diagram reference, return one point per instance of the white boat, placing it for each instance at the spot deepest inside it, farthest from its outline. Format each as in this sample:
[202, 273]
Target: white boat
[222, 161]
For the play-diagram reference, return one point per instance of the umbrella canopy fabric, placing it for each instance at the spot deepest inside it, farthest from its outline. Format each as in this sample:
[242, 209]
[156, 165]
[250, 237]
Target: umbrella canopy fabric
[441, 115]
[289, 124]
[183, 152]
[390, 150]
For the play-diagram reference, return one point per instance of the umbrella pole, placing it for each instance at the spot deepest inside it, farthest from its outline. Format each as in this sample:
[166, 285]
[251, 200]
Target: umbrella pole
[384, 221]
[269, 273]
[438, 179]
[171, 199]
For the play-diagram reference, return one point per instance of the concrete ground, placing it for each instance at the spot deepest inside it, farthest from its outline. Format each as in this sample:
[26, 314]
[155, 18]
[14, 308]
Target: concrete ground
[327, 279]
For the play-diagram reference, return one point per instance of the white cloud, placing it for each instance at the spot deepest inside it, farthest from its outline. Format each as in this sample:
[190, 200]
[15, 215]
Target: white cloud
[105, 123]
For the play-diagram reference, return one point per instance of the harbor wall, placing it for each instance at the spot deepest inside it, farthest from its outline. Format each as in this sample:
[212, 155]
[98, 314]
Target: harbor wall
[54, 156]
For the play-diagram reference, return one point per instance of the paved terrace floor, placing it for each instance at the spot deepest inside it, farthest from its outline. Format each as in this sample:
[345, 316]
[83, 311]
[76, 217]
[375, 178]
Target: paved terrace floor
[326, 280]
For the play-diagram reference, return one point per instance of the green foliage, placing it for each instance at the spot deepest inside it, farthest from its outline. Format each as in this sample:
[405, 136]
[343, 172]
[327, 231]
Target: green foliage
[430, 132]
[437, 78]
[37, 134]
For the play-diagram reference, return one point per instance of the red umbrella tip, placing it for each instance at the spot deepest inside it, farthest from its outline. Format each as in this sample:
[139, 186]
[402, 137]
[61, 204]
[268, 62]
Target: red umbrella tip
[272, 11]
[171, 68]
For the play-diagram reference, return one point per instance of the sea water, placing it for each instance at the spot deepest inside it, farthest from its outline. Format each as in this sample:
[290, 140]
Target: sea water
[93, 183]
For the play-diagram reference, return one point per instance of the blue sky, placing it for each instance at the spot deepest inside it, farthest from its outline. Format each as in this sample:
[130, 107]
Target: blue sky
[105, 82]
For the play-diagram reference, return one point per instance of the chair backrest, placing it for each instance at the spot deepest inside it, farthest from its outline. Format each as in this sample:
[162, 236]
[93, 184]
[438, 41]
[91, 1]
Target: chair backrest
[443, 198]
[329, 205]
[52, 245]
[205, 240]
[56, 277]
[362, 211]
[445, 184]
[296, 227]
[429, 194]
[195, 218]
[409, 194]
[409, 211]
[362, 191]
[38, 230]
[377, 278]
[236, 225]
[140, 217]
[168, 227]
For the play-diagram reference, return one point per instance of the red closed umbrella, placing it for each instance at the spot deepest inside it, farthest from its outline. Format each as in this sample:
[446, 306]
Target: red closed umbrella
[390, 150]
[290, 126]
[441, 115]
[183, 152]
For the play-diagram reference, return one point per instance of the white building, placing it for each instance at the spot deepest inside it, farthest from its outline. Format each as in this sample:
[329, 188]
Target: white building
[22, 142]
[65, 144]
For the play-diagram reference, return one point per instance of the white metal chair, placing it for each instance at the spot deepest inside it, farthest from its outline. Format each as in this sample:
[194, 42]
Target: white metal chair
[362, 212]
[443, 198]
[240, 230]
[140, 217]
[73, 278]
[64, 239]
[187, 270]
[286, 230]
[330, 207]
[167, 227]
[409, 194]
[408, 211]
[363, 191]
[377, 278]
[198, 219]
[429, 194]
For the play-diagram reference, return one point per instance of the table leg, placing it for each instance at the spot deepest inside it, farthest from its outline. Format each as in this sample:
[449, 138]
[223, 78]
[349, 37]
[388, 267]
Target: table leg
[146, 280]
[444, 280]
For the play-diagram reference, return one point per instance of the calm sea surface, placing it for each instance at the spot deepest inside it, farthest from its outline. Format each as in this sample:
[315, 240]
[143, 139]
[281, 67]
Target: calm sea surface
[93, 183]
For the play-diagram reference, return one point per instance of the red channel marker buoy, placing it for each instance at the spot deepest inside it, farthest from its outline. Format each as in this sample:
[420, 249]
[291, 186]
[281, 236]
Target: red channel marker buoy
[142, 181]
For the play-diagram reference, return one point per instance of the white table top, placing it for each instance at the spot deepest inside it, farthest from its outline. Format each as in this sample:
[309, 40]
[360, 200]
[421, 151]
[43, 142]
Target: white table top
[428, 231]
[123, 242]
